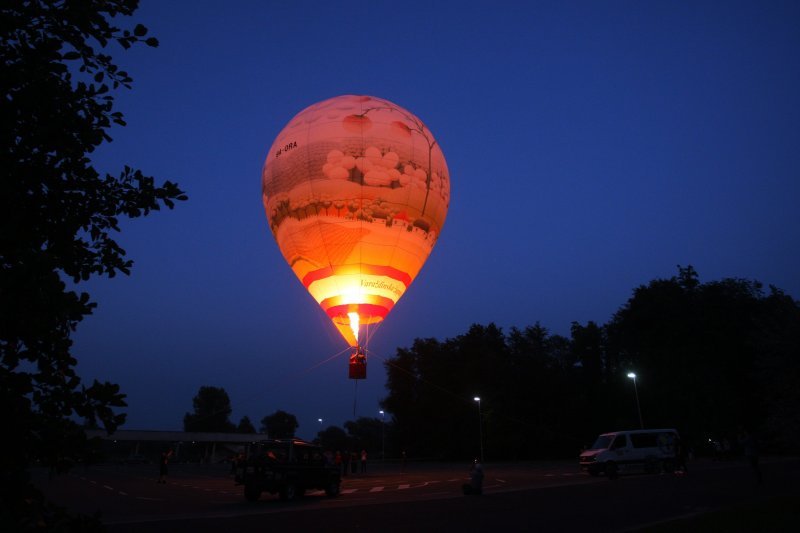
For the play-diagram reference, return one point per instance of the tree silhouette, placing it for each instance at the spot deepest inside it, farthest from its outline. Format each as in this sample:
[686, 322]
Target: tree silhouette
[57, 218]
[333, 438]
[279, 425]
[212, 407]
[709, 357]
[245, 426]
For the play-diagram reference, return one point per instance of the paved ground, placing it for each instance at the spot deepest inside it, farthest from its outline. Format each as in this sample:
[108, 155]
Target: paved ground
[540, 496]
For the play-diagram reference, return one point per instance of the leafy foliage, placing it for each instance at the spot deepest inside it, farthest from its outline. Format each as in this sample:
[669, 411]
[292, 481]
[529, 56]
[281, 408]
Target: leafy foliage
[245, 426]
[212, 410]
[279, 425]
[333, 438]
[57, 217]
[710, 358]
[365, 433]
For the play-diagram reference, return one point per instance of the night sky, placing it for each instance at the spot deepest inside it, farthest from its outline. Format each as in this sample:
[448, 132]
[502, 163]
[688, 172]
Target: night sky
[592, 147]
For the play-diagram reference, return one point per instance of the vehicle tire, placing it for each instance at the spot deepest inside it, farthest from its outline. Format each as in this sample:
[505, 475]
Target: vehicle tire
[611, 470]
[332, 490]
[288, 492]
[251, 492]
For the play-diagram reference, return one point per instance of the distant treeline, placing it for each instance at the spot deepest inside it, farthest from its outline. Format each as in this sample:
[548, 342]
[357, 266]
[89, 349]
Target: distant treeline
[710, 359]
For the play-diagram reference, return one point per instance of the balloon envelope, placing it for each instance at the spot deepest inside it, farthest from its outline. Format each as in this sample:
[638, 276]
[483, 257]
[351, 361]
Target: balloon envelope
[356, 191]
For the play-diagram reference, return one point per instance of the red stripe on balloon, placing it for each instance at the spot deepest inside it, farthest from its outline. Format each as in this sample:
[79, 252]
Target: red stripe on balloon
[363, 310]
[369, 299]
[349, 270]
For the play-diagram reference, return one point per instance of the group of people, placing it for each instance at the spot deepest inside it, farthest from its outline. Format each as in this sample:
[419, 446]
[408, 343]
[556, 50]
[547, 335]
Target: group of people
[349, 461]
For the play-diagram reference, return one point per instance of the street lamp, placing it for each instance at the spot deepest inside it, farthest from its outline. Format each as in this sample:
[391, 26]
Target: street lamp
[480, 424]
[383, 435]
[632, 375]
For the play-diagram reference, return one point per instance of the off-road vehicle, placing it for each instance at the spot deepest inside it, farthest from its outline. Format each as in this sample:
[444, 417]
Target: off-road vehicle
[288, 467]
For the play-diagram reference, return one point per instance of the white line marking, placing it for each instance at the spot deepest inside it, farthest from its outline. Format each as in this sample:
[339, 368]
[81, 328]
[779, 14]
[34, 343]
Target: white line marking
[500, 480]
[107, 487]
[376, 489]
[150, 499]
[93, 482]
[403, 486]
[348, 491]
[123, 493]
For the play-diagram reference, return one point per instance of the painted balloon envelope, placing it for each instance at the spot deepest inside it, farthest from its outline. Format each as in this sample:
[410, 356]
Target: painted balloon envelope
[356, 191]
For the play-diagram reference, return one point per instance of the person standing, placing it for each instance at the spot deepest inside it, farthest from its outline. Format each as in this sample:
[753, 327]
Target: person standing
[363, 461]
[750, 448]
[163, 466]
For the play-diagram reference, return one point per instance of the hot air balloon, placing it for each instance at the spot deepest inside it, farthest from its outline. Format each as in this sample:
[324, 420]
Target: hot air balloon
[356, 191]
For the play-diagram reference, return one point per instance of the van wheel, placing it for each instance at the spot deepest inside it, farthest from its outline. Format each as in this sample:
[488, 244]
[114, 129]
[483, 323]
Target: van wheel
[611, 470]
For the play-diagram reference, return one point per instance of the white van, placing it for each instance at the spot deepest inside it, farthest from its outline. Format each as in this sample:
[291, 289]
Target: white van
[640, 450]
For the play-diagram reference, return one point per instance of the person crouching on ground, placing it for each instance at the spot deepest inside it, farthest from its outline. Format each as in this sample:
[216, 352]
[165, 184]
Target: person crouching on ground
[475, 485]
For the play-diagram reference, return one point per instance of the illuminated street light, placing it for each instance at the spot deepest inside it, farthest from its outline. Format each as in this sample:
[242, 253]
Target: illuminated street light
[383, 435]
[480, 424]
[632, 375]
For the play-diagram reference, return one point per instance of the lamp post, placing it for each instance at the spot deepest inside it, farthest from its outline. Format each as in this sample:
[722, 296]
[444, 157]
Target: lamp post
[480, 424]
[632, 375]
[383, 435]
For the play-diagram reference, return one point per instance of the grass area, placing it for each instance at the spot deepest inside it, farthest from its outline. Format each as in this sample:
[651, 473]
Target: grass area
[780, 513]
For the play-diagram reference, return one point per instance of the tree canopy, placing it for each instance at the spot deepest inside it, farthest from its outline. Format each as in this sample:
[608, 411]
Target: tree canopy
[58, 215]
[279, 425]
[212, 411]
[245, 426]
[710, 358]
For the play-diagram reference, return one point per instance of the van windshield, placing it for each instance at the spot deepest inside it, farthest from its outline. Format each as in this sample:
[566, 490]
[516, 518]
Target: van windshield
[602, 442]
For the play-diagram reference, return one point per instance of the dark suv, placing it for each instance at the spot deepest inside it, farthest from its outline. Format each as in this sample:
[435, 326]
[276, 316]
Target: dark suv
[288, 467]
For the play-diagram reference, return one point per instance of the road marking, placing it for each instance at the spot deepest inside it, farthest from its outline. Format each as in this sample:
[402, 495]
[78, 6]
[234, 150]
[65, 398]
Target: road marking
[93, 482]
[348, 491]
[150, 499]
[549, 475]
[455, 479]
[376, 489]
[107, 487]
[500, 480]
[403, 486]
[123, 493]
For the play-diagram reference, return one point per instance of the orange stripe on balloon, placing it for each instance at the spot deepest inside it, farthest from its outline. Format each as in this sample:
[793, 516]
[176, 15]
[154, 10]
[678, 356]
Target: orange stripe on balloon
[349, 270]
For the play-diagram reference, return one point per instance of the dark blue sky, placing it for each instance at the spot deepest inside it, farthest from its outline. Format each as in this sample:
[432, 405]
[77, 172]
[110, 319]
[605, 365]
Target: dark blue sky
[592, 147]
